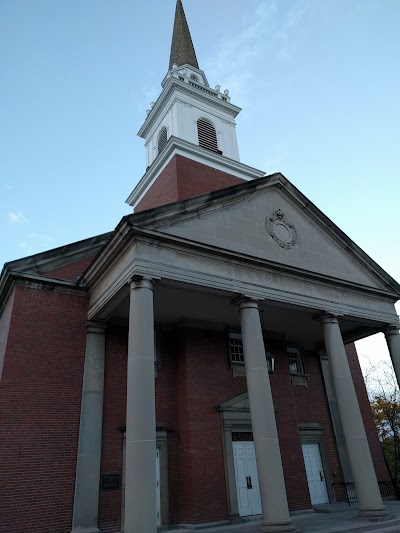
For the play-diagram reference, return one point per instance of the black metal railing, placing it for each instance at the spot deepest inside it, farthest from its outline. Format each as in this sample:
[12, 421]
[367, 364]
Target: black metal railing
[346, 492]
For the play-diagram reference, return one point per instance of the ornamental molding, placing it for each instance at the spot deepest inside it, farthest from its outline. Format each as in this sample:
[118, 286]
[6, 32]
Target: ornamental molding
[189, 90]
[177, 146]
[283, 233]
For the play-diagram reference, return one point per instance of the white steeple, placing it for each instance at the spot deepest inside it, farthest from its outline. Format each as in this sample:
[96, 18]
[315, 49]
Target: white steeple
[189, 132]
[187, 107]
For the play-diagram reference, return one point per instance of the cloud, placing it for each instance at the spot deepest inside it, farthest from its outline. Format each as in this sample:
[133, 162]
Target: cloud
[16, 217]
[35, 243]
[265, 36]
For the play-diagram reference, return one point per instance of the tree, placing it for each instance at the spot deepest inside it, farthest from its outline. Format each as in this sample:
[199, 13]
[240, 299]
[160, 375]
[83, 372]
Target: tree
[384, 397]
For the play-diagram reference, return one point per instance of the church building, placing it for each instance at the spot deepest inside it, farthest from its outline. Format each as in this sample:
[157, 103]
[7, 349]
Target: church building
[197, 364]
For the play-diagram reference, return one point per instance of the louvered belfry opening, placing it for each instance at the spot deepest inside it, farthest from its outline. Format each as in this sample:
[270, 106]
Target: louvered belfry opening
[207, 135]
[162, 139]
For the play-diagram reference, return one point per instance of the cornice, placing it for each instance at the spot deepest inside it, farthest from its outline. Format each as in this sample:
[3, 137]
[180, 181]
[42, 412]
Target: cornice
[207, 95]
[155, 265]
[11, 278]
[248, 260]
[56, 257]
[176, 146]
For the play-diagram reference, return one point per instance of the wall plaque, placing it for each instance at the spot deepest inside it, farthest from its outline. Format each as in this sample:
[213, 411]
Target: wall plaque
[110, 482]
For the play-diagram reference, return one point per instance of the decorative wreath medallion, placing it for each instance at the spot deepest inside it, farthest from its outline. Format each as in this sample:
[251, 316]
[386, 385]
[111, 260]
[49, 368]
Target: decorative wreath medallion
[281, 231]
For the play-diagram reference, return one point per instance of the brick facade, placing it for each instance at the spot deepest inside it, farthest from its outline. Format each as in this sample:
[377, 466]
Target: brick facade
[40, 398]
[40, 407]
[184, 178]
[193, 378]
[71, 271]
[42, 344]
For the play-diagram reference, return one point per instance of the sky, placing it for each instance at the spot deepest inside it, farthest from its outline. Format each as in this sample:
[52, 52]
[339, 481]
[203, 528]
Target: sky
[318, 82]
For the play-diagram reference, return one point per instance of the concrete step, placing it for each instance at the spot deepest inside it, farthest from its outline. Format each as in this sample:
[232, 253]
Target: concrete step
[381, 527]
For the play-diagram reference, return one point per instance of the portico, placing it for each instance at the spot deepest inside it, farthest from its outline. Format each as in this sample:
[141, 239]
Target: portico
[160, 277]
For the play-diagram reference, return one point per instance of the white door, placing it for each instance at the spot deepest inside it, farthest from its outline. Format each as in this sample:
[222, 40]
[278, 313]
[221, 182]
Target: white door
[247, 487]
[315, 474]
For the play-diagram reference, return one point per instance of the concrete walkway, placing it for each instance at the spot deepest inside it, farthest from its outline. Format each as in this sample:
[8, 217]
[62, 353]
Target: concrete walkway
[343, 519]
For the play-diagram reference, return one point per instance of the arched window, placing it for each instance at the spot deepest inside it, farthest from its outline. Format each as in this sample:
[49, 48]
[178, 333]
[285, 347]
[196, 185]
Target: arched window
[162, 139]
[207, 135]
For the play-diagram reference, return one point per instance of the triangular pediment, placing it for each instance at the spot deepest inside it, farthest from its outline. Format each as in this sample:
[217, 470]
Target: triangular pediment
[237, 404]
[273, 221]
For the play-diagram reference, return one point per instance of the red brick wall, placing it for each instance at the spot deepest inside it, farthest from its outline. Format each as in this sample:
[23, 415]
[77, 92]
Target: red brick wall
[195, 178]
[291, 403]
[193, 380]
[184, 178]
[114, 414]
[114, 417]
[40, 398]
[203, 382]
[71, 271]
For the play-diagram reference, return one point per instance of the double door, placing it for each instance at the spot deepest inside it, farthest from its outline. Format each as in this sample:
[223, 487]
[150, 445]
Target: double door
[247, 487]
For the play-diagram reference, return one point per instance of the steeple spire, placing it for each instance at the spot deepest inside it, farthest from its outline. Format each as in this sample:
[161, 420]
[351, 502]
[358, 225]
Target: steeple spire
[182, 49]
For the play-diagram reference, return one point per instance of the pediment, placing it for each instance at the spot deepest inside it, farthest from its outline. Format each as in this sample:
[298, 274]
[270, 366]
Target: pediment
[276, 223]
[238, 404]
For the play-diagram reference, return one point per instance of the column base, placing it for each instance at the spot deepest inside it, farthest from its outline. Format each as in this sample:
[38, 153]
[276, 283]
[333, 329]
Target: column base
[281, 527]
[375, 515]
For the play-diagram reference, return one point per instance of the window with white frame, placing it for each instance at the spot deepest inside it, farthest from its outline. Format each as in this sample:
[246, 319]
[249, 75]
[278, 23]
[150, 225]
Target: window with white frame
[296, 361]
[236, 352]
[236, 349]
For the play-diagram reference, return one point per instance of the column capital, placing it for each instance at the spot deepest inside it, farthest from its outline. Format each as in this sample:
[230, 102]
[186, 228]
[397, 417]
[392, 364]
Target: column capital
[96, 327]
[391, 329]
[326, 317]
[243, 301]
[142, 282]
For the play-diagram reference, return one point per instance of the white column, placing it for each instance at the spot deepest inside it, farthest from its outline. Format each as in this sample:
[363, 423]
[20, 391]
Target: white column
[87, 479]
[140, 473]
[393, 341]
[275, 511]
[369, 496]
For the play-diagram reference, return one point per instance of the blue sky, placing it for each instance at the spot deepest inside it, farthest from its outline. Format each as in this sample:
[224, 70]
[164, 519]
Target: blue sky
[318, 81]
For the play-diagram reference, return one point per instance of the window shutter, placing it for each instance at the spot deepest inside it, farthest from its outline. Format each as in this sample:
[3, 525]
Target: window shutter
[207, 135]
[162, 139]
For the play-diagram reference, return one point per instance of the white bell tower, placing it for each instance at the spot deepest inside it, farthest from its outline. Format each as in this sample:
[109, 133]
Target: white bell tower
[189, 119]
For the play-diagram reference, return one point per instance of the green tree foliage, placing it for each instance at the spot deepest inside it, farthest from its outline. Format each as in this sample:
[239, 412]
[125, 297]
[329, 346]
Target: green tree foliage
[386, 410]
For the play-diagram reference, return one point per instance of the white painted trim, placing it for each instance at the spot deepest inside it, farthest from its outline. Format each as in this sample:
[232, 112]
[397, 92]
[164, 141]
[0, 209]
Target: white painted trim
[205, 269]
[211, 97]
[191, 151]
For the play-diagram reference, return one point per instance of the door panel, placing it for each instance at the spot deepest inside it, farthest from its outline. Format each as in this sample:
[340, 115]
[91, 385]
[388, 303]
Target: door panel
[239, 457]
[315, 474]
[247, 486]
[252, 472]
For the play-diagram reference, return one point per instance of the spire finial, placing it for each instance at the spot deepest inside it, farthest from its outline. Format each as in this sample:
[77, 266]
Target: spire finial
[182, 49]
